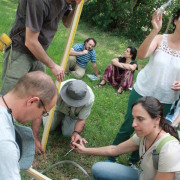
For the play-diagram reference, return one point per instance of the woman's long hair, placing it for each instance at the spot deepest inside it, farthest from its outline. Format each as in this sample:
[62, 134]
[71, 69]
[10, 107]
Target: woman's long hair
[133, 52]
[175, 17]
[154, 108]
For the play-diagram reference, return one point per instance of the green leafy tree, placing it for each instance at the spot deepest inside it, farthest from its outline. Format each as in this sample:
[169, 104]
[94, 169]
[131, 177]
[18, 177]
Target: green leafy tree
[131, 18]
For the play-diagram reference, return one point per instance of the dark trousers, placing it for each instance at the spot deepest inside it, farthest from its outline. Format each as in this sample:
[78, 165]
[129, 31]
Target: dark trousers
[126, 130]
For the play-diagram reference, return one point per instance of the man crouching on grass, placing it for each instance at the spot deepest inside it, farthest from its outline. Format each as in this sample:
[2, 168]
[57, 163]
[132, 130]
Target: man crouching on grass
[32, 97]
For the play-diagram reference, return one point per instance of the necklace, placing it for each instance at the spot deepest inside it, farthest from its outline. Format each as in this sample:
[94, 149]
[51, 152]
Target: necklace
[8, 109]
[149, 146]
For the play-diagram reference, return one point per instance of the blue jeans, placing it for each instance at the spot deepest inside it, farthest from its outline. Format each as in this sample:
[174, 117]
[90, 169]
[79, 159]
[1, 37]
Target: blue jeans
[113, 171]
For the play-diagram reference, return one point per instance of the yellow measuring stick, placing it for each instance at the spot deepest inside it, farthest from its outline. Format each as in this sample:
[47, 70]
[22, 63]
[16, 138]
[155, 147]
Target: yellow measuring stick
[65, 57]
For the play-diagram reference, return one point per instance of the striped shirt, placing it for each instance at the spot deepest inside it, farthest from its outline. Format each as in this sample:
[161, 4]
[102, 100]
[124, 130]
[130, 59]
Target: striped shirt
[84, 59]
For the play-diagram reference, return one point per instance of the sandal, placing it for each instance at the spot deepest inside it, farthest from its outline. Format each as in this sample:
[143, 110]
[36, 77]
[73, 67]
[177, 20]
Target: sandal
[100, 85]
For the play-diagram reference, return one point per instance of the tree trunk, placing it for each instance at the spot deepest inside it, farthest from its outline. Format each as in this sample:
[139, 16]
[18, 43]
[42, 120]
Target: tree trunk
[136, 5]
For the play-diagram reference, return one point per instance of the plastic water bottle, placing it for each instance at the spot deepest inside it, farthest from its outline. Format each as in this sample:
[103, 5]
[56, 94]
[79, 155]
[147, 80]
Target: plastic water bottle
[163, 7]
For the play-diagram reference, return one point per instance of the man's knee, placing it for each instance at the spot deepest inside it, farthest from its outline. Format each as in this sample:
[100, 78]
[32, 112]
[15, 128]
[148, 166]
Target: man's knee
[71, 63]
[53, 124]
[66, 133]
[77, 74]
[68, 125]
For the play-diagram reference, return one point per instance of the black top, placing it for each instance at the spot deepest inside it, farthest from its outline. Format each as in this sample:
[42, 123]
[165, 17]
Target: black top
[123, 60]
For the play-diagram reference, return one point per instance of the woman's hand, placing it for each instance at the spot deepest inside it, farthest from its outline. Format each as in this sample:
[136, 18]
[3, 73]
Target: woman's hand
[80, 148]
[157, 21]
[176, 86]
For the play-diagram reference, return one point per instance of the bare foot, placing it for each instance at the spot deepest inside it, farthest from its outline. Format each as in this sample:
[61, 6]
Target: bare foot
[120, 90]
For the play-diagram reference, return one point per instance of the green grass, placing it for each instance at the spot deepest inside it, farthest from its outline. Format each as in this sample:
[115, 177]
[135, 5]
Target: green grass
[108, 110]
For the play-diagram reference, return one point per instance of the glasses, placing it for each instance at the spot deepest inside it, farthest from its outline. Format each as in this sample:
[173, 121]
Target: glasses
[45, 112]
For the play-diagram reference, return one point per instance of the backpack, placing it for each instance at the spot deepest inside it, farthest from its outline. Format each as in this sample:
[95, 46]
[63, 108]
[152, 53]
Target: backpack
[155, 153]
[173, 112]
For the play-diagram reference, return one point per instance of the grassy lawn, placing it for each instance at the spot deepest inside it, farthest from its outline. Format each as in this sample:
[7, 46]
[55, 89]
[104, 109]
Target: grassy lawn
[108, 110]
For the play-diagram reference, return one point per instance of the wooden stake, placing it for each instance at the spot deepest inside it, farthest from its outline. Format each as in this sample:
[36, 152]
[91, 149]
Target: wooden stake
[36, 175]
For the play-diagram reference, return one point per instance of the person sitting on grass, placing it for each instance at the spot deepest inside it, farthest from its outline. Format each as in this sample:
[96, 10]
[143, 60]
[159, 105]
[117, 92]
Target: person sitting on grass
[79, 57]
[120, 72]
[151, 128]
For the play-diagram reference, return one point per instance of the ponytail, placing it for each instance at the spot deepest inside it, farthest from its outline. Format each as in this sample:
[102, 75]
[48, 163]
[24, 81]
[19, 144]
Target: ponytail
[168, 128]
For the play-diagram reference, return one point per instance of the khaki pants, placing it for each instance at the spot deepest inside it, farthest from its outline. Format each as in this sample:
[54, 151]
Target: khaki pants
[67, 123]
[15, 66]
[73, 68]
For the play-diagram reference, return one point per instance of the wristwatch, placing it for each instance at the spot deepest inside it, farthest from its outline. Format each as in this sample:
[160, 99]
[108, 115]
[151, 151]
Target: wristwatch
[68, 9]
[77, 132]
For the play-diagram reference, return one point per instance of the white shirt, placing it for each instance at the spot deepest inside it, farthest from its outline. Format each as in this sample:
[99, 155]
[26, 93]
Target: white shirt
[158, 75]
[9, 150]
[169, 158]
